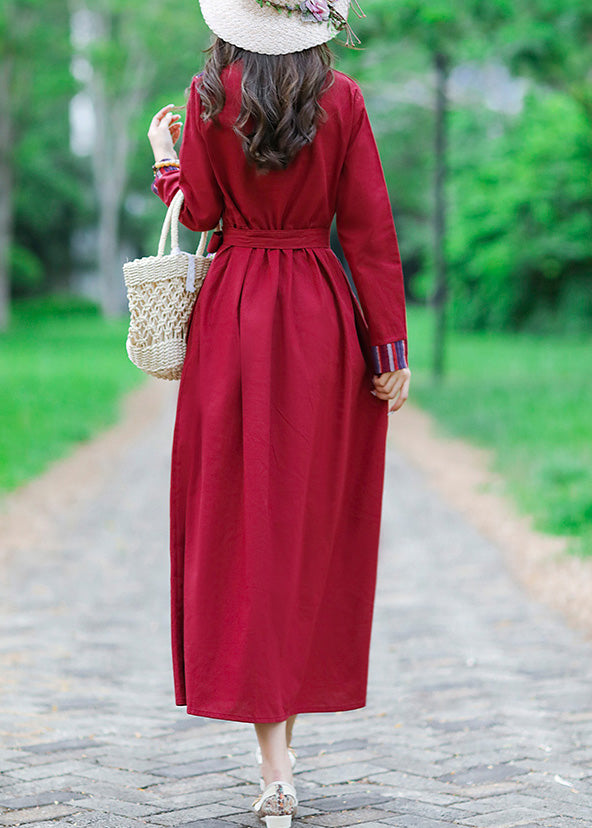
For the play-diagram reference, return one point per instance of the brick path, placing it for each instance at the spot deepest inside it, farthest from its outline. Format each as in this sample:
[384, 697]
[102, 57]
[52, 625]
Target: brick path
[479, 707]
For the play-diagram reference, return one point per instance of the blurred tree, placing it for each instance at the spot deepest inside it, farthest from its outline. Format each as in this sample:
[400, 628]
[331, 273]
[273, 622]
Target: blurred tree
[520, 241]
[551, 41]
[7, 60]
[109, 36]
[33, 135]
[521, 238]
[439, 31]
[130, 49]
[501, 204]
[391, 72]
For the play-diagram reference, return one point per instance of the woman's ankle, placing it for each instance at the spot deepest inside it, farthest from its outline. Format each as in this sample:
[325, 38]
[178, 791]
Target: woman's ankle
[276, 763]
[276, 771]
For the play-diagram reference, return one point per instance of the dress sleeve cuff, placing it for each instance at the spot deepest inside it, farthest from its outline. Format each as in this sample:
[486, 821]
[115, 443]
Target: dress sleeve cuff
[159, 173]
[389, 357]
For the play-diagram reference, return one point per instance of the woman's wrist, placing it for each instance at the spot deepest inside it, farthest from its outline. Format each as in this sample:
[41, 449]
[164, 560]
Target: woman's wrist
[165, 155]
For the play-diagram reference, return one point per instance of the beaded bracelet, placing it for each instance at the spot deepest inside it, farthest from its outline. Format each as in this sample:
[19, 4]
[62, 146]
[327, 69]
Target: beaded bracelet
[167, 168]
[165, 162]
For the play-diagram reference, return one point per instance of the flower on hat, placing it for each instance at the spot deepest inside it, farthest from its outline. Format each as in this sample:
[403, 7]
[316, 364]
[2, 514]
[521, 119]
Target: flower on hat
[316, 10]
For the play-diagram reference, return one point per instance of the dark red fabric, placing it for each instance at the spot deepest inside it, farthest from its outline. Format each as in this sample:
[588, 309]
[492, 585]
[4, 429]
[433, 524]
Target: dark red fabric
[295, 239]
[279, 446]
[214, 242]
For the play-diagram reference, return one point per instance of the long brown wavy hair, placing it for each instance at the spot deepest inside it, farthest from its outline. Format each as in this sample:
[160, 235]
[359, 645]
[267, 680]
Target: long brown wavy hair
[280, 108]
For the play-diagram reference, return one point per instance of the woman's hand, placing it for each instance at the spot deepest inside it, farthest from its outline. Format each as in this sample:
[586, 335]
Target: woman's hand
[393, 385]
[164, 132]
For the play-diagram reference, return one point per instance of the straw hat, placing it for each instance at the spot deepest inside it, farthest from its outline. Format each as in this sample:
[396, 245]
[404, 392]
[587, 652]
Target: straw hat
[276, 27]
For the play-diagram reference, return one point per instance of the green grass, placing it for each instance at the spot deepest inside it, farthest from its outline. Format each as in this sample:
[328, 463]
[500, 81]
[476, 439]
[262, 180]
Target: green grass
[63, 371]
[529, 399]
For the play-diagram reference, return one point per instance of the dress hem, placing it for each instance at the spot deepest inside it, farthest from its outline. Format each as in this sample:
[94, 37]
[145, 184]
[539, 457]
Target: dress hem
[193, 711]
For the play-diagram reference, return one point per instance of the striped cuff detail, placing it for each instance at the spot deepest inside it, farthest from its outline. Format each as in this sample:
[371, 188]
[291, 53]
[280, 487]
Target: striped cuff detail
[389, 357]
[158, 174]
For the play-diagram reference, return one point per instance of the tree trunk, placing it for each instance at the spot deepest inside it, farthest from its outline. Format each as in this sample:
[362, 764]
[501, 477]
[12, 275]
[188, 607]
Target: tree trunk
[440, 295]
[6, 190]
[112, 295]
[108, 175]
[114, 116]
[109, 166]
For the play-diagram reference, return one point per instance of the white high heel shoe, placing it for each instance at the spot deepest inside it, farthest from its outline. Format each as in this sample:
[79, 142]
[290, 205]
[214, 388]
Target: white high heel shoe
[277, 804]
[291, 753]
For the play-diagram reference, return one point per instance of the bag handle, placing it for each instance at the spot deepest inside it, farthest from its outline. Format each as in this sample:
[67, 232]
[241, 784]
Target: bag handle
[171, 223]
[174, 209]
[204, 238]
[201, 247]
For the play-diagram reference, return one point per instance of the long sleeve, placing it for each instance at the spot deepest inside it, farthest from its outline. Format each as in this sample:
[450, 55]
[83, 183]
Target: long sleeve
[203, 201]
[367, 234]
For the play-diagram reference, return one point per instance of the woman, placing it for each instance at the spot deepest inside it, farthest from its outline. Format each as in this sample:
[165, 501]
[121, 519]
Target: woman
[280, 433]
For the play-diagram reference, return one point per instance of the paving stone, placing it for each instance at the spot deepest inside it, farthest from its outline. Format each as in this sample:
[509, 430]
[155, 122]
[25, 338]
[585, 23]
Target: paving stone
[24, 816]
[372, 824]
[245, 820]
[464, 758]
[206, 782]
[478, 698]
[335, 819]
[142, 796]
[423, 796]
[402, 783]
[331, 746]
[574, 808]
[187, 753]
[328, 759]
[507, 819]
[425, 809]
[69, 782]
[310, 790]
[346, 802]
[470, 725]
[123, 777]
[184, 769]
[418, 822]
[49, 769]
[484, 773]
[477, 792]
[343, 773]
[421, 764]
[489, 804]
[49, 823]
[192, 814]
[44, 798]
[101, 820]
[64, 744]
[206, 823]
[203, 797]
[115, 806]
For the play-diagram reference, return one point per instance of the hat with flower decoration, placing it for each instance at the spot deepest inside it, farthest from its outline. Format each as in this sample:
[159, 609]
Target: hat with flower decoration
[278, 27]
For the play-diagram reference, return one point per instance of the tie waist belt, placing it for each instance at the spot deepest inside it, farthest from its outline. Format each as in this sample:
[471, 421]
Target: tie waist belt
[286, 239]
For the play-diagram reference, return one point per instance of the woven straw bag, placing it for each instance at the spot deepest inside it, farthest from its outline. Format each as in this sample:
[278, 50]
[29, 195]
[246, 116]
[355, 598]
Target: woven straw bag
[161, 293]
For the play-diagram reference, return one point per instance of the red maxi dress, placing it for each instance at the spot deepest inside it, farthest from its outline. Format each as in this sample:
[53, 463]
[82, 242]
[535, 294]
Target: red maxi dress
[279, 445]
